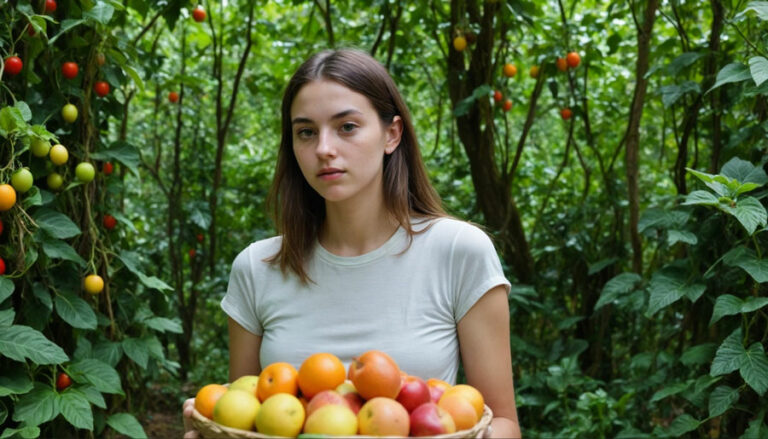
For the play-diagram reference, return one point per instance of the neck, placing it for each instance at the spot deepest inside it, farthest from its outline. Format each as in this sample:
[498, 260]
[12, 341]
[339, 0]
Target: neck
[349, 231]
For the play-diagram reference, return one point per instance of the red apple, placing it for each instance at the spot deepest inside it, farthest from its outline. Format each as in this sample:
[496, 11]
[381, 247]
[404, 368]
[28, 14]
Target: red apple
[325, 397]
[429, 419]
[413, 392]
[348, 391]
[435, 393]
[382, 416]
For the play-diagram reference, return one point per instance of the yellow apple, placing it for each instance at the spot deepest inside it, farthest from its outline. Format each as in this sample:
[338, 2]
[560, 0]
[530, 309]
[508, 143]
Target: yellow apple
[333, 420]
[282, 414]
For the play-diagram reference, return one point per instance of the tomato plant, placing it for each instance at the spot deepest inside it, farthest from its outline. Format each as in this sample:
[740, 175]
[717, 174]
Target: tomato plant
[101, 88]
[69, 70]
[63, 381]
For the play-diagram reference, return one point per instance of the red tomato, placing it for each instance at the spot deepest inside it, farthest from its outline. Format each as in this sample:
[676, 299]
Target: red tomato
[63, 381]
[198, 14]
[1, 227]
[69, 70]
[109, 222]
[192, 253]
[2, 267]
[199, 236]
[107, 168]
[101, 88]
[13, 65]
[497, 96]
[173, 97]
[566, 113]
[50, 5]
[507, 105]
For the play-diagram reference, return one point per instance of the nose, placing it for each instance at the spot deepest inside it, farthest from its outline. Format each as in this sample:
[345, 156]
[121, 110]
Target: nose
[325, 144]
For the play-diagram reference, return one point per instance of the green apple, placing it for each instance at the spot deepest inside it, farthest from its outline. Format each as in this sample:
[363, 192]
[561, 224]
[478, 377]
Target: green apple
[55, 181]
[58, 154]
[40, 147]
[85, 172]
[69, 113]
[21, 180]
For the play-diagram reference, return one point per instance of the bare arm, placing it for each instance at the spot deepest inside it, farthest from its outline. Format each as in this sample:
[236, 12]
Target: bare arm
[244, 349]
[486, 355]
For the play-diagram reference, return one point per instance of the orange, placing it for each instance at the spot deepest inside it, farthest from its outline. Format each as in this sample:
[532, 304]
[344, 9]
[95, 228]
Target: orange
[573, 59]
[320, 371]
[562, 64]
[470, 394]
[7, 197]
[534, 72]
[510, 70]
[461, 410]
[277, 378]
[206, 398]
[375, 374]
[434, 382]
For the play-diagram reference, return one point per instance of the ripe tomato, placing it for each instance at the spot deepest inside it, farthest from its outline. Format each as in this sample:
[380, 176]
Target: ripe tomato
[562, 64]
[507, 105]
[192, 253]
[109, 222]
[459, 43]
[7, 197]
[199, 237]
[50, 5]
[510, 70]
[2, 267]
[1, 227]
[63, 381]
[58, 154]
[497, 96]
[199, 14]
[573, 59]
[13, 65]
[566, 113]
[101, 88]
[69, 70]
[93, 284]
[534, 72]
[107, 168]
[173, 97]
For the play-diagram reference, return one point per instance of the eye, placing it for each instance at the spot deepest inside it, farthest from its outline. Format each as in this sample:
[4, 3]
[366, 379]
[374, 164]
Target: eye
[348, 127]
[304, 133]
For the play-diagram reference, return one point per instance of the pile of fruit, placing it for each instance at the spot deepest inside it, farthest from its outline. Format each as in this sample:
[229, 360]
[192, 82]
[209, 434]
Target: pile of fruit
[373, 398]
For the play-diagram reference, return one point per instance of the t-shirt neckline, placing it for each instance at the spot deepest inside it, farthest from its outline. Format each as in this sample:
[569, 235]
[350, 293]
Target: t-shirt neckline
[365, 258]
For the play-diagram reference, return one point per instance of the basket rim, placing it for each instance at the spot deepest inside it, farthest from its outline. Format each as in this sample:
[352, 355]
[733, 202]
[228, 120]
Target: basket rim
[218, 430]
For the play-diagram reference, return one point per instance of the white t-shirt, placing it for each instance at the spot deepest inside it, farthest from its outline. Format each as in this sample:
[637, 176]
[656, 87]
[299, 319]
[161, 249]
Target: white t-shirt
[406, 305]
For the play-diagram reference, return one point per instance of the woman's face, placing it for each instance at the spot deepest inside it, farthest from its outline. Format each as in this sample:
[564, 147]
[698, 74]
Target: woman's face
[339, 141]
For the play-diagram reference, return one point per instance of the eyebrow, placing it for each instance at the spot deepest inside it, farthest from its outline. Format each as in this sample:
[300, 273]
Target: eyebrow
[339, 115]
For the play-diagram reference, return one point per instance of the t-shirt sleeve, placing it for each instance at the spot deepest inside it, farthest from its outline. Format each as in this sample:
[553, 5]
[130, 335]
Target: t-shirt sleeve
[476, 268]
[239, 302]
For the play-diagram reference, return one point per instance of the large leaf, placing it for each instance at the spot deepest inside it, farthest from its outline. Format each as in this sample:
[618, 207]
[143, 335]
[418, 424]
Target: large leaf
[109, 352]
[163, 324]
[28, 432]
[58, 249]
[750, 213]
[754, 368]
[682, 61]
[701, 198]
[98, 373]
[758, 67]
[698, 354]
[38, 406]
[55, 223]
[747, 260]
[18, 342]
[131, 261]
[76, 409]
[721, 399]
[137, 351]
[94, 396]
[669, 390]
[734, 72]
[729, 355]
[669, 286]
[100, 13]
[6, 288]
[618, 286]
[672, 93]
[126, 424]
[744, 171]
[683, 424]
[75, 311]
[725, 305]
[121, 151]
[14, 382]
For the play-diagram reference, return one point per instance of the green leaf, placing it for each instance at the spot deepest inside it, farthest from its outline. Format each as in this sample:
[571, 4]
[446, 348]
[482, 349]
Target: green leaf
[761, 8]
[703, 198]
[163, 324]
[130, 259]
[38, 406]
[754, 368]
[746, 259]
[108, 351]
[753, 304]
[136, 350]
[672, 93]
[618, 286]
[154, 347]
[675, 236]
[729, 355]
[126, 424]
[721, 399]
[26, 113]
[756, 428]
[662, 219]
[670, 390]
[734, 72]
[725, 305]
[58, 249]
[683, 424]
[682, 61]
[55, 223]
[6, 317]
[93, 396]
[98, 373]
[744, 171]
[121, 151]
[758, 67]
[101, 13]
[6, 288]
[75, 311]
[76, 409]
[15, 382]
[668, 286]
[41, 293]
[135, 76]
[750, 213]
[18, 342]
[699, 354]
[28, 432]
[66, 26]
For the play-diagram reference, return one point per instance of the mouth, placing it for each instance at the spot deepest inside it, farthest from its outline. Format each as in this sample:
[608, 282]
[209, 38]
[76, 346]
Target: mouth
[329, 172]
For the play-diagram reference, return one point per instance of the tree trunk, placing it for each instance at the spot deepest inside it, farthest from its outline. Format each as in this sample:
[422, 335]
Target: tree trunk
[711, 72]
[644, 30]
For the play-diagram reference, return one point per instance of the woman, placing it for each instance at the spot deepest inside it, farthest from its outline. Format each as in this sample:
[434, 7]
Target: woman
[366, 257]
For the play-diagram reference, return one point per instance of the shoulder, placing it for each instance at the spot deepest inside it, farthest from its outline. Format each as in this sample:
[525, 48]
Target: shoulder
[457, 231]
[254, 255]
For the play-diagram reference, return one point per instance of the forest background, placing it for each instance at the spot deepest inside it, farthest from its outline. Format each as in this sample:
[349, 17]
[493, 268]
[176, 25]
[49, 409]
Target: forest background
[632, 225]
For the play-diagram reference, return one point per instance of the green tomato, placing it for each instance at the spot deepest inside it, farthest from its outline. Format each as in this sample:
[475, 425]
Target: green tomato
[40, 147]
[59, 155]
[21, 180]
[55, 181]
[85, 172]
[69, 113]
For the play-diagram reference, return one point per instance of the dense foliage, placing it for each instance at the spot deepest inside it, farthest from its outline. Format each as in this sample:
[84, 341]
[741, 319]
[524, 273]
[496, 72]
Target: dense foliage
[632, 225]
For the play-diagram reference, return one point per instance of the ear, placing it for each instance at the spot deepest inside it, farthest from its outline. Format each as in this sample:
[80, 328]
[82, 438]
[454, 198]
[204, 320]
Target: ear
[394, 134]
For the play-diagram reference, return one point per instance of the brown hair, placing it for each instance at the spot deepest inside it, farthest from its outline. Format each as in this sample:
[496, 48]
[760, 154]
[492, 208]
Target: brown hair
[297, 209]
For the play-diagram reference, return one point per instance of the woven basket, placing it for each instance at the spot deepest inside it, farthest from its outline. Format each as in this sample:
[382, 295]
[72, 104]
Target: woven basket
[209, 429]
